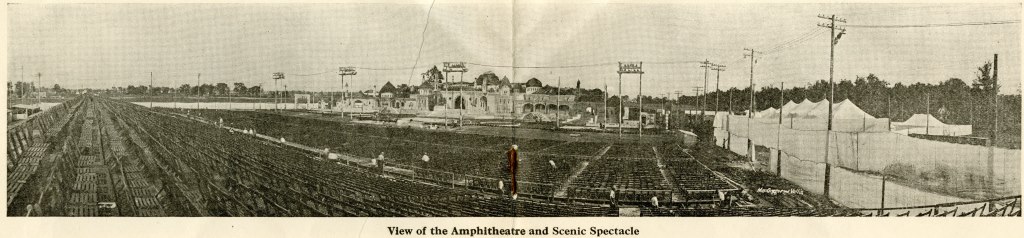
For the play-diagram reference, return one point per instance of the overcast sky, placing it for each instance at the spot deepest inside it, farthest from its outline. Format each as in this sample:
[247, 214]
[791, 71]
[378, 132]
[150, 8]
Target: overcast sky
[104, 45]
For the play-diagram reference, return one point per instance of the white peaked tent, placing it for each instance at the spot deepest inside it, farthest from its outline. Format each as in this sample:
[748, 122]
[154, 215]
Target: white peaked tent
[847, 110]
[818, 110]
[799, 109]
[788, 107]
[927, 124]
[771, 112]
[922, 120]
[807, 109]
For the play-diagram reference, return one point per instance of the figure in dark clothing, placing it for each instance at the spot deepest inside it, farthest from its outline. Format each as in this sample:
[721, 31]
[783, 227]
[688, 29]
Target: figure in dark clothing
[513, 167]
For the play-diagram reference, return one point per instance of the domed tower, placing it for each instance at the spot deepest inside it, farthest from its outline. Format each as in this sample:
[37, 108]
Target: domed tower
[533, 85]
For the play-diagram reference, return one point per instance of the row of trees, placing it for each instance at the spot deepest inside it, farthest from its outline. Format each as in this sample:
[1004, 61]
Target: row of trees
[952, 101]
[25, 89]
[219, 89]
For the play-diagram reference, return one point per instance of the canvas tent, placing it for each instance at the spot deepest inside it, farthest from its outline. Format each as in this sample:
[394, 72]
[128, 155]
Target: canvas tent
[847, 110]
[927, 124]
[771, 112]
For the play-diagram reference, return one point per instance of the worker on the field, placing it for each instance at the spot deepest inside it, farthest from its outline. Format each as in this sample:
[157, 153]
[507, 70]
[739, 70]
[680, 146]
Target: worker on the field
[611, 197]
[513, 167]
[380, 160]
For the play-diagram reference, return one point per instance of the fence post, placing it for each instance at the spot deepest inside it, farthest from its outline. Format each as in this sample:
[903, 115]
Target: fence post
[883, 195]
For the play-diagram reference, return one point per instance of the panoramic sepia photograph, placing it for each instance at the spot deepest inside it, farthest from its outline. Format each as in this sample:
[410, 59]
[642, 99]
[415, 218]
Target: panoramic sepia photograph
[512, 109]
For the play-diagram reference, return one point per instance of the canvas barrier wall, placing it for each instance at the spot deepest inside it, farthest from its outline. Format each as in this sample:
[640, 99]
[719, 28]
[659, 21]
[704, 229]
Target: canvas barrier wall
[951, 165]
[809, 175]
[946, 130]
[945, 166]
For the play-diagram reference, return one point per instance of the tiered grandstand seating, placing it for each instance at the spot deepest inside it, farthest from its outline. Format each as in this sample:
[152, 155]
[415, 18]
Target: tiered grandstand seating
[690, 175]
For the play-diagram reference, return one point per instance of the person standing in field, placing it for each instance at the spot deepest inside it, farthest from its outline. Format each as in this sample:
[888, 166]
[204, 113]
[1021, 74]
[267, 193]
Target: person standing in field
[513, 167]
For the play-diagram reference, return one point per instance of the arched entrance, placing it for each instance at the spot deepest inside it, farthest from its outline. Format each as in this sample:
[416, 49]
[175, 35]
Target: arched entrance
[483, 103]
[460, 103]
[527, 108]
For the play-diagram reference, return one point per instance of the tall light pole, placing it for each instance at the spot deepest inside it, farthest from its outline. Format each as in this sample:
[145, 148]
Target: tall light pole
[342, 71]
[459, 67]
[632, 68]
[277, 76]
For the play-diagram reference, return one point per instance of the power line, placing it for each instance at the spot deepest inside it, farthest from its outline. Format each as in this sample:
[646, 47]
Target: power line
[423, 38]
[795, 42]
[312, 74]
[938, 24]
[785, 42]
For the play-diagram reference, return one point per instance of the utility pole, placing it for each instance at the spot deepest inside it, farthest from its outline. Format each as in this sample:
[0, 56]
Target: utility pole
[696, 95]
[888, 112]
[558, 102]
[621, 102]
[23, 81]
[199, 90]
[928, 111]
[778, 136]
[834, 39]
[176, 93]
[605, 104]
[39, 85]
[718, 76]
[750, 112]
[995, 98]
[995, 123]
[728, 124]
[970, 116]
[706, 65]
[151, 89]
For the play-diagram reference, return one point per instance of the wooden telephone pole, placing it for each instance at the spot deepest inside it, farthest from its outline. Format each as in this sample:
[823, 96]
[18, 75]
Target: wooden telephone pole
[834, 39]
[750, 113]
[704, 105]
[718, 77]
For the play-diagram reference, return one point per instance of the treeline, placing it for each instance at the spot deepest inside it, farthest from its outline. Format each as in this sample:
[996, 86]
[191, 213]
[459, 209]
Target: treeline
[25, 89]
[952, 101]
[218, 89]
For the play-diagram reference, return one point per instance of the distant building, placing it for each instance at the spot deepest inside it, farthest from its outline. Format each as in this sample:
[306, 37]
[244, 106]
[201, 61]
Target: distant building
[486, 95]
